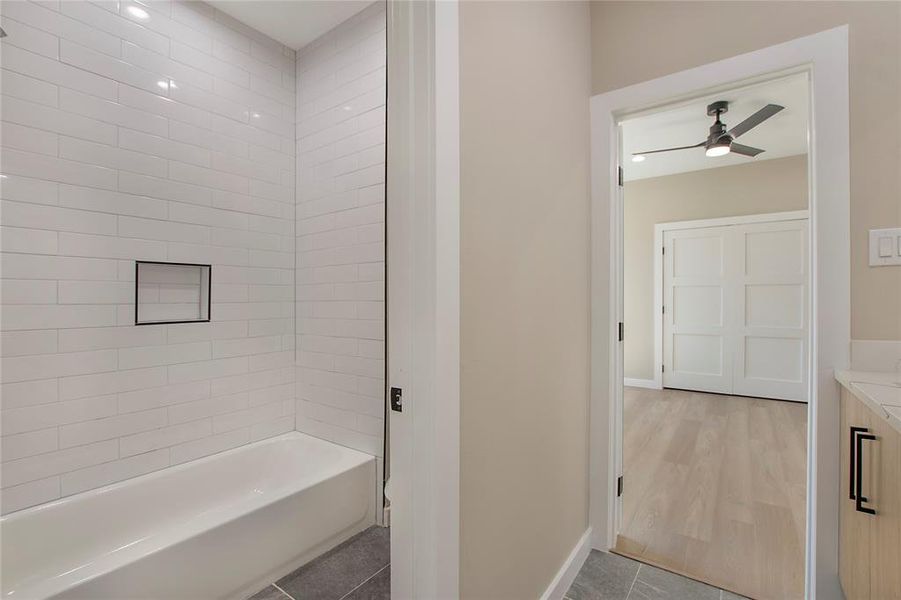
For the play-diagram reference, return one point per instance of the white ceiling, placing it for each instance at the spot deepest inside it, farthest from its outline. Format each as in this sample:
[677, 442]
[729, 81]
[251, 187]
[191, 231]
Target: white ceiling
[784, 134]
[295, 23]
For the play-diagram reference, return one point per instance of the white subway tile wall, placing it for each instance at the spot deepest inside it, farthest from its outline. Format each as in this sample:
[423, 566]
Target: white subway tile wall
[341, 233]
[161, 131]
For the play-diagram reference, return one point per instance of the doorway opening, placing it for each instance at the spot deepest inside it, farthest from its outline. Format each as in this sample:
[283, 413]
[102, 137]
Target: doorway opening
[716, 271]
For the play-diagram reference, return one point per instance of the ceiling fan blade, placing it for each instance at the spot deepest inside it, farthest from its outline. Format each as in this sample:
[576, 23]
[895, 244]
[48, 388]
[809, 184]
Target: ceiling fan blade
[754, 120]
[670, 149]
[744, 150]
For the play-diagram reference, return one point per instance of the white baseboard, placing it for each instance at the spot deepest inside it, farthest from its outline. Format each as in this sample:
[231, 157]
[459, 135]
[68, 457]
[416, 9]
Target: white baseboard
[567, 573]
[875, 355]
[641, 383]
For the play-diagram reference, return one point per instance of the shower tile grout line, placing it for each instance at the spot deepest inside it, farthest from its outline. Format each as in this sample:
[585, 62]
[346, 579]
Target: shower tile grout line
[362, 583]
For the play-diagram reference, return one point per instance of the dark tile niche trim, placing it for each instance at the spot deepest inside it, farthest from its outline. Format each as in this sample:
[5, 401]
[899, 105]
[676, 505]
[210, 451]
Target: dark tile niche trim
[209, 289]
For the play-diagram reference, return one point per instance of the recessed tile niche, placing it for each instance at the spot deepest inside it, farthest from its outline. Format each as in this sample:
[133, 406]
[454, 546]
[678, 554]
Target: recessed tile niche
[171, 293]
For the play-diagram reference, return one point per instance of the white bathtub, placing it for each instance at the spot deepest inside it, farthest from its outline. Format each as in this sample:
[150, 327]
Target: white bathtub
[218, 527]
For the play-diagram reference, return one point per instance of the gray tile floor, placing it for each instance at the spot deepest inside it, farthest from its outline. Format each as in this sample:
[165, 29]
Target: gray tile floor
[358, 569]
[606, 576]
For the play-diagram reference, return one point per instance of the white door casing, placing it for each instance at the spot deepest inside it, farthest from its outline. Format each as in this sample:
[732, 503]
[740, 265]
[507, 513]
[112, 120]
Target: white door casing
[735, 316]
[824, 56]
[423, 257]
[400, 188]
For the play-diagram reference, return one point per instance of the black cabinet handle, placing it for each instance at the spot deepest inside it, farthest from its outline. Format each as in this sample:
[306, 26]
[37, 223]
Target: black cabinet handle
[861, 436]
[853, 464]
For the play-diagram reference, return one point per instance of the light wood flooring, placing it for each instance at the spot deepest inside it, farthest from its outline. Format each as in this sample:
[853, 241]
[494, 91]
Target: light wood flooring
[715, 489]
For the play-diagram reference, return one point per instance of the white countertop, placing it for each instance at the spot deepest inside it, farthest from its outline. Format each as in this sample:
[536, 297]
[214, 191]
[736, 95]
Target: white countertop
[881, 392]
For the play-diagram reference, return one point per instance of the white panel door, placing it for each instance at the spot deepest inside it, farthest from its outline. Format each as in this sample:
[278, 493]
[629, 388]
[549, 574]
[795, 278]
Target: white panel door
[696, 348]
[735, 309]
[770, 292]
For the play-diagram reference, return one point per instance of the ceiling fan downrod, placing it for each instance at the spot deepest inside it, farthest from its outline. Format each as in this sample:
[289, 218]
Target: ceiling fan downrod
[719, 142]
[718, 129]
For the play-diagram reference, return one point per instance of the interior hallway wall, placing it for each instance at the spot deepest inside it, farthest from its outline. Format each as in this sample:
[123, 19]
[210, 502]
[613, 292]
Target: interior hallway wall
[341, 233]
[766, 186]
[524, 77]
[161, 131]
[689, 34]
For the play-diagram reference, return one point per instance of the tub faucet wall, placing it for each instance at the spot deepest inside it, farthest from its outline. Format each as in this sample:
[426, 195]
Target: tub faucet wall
[163, 131]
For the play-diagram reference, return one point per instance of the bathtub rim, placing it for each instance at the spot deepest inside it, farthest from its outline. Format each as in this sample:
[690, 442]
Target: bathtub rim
[176, 468]
[103, 563]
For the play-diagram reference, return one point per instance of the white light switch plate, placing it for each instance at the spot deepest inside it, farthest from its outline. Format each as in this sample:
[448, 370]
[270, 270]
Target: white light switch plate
[885, 247]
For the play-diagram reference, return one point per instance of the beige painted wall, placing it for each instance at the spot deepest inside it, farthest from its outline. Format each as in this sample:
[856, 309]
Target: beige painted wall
[525, 81]
[637, 41]
[765, 186]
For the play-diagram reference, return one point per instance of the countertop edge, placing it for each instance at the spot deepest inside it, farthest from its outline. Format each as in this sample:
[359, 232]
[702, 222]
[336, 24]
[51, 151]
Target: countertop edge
[847, 378]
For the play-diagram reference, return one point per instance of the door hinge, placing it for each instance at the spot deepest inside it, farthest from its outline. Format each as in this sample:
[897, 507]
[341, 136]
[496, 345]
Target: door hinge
[619, 176]
[397, 401]
[663, 309]
[619, 486]
[662, 249]
[663, 368]
[621, 331]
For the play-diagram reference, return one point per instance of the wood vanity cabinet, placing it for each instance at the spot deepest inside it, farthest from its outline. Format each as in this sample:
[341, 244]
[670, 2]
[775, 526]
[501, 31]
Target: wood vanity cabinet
[870, 543]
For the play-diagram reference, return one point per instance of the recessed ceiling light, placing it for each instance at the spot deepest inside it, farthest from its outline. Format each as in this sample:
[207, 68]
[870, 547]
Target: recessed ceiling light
[163, 85]
[638, 158]
[138, 13]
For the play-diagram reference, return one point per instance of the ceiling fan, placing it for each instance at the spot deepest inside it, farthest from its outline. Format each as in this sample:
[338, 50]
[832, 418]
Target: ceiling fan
[720, 141]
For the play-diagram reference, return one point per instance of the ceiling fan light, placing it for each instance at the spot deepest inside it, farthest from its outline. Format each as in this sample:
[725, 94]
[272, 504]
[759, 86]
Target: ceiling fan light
[721, 147]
